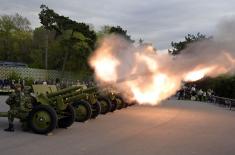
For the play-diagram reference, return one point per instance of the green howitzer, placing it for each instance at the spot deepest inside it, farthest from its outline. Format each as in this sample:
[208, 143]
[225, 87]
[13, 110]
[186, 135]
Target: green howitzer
[87, 102]
[37, 112]
[64, 91]
[100, 98]
[109, 99]
[75, 93]
[115, 98]
[83, 100]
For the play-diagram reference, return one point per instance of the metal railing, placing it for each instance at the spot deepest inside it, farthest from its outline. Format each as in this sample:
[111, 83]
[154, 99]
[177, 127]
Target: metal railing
[211, 99]
[224, 101]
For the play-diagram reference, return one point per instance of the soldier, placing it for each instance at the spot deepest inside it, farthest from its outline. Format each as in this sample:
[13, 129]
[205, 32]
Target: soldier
[14, 101]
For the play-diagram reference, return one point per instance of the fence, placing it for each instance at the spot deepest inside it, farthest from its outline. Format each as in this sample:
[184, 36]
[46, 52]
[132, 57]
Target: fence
[224, 101]
[35, 74]
[228, 102]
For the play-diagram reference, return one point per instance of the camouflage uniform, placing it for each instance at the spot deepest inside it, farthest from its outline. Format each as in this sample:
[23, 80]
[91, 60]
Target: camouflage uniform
[14, 101]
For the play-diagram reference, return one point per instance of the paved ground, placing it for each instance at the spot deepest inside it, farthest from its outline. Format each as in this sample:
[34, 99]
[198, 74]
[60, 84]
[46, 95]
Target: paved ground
[173, 128]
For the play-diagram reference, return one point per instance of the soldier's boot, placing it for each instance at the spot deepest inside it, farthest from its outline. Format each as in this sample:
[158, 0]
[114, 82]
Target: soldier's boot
[10, 128]
[24, 126]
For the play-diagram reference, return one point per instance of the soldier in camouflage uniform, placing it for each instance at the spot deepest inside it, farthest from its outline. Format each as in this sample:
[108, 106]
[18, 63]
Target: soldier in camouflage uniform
[14, 101]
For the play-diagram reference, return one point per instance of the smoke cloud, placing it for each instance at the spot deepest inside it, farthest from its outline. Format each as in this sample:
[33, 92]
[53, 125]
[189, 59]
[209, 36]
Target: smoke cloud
[141, 74]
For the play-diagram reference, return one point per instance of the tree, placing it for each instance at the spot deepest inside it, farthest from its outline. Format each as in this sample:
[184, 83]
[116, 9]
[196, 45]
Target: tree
[114, 30]
[222, 85]
[39, 44]
[15, 38]
[179, 46]
[76, 39]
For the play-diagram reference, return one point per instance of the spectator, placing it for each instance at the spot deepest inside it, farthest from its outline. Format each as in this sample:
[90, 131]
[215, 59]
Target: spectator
[44, 83]
[204, 96]
[193, 93]
[200, 94]
[181, 94]
[1, 84]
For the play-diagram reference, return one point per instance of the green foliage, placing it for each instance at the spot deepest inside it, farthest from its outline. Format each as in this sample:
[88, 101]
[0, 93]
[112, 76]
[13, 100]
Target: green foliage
[223, 85]
[28, 81]
[14, 76]
[15, 38]
[37, 57]
[179, 46]
[68, 43]
[76, 40]
[118, 30]
[114, 30]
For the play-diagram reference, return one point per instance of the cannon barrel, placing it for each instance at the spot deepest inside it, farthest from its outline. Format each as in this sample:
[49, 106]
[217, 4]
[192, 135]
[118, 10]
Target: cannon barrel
[87, 94]
[73, 92]
[76, 97]
[90, 90]
[77, 92]
[64, 91]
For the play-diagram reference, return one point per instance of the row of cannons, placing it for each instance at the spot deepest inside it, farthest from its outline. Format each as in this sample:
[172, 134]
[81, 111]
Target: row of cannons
[45, 108]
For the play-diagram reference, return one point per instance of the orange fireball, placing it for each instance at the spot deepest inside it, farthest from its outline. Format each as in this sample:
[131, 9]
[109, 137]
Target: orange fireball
[147, 77]
[198, 74]
[104, 64]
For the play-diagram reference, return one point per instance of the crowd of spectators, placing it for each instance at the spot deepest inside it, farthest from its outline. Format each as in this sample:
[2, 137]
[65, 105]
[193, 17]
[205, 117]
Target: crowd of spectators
[195, 94]
[8, 84]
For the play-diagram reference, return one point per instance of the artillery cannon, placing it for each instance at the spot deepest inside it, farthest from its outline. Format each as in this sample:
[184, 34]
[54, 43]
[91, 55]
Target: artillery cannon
[87, 102]
[100, 100]
[83, 100]
[38, 112]
[109, 99]
[115, 98]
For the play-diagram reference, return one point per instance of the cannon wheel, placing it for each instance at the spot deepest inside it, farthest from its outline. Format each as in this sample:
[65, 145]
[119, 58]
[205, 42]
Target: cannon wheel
[105, 103]
[83, 110]
[114, 105]
[125, 104]
[96, 110]
[119, 99]
[42, 119]
[69, 117]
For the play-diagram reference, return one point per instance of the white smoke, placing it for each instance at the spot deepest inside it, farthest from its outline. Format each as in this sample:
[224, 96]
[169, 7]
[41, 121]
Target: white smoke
[146, 76]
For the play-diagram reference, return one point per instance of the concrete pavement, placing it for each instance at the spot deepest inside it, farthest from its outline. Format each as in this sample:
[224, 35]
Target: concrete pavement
[172, 128]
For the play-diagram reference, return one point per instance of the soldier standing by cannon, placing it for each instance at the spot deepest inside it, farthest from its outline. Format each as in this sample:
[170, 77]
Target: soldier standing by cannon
[14, 101]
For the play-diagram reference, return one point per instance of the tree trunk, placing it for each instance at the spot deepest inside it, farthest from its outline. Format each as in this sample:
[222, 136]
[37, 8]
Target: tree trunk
[66, 56]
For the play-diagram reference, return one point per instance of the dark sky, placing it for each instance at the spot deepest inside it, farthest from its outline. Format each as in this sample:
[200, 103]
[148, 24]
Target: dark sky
[155, 21]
